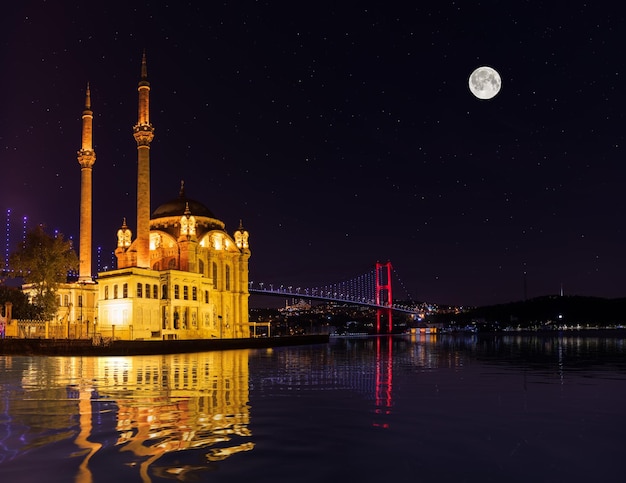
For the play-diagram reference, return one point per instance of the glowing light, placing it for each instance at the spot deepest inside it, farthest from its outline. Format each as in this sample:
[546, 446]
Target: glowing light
[155, 241]
[24, 231]
[8, 241]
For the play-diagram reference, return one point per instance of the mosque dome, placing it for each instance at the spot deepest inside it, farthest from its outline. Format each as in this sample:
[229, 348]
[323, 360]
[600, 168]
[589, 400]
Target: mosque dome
[177, 207]
[168, 217]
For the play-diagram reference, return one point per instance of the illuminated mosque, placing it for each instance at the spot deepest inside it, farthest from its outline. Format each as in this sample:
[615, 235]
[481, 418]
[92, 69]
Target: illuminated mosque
[182, 276]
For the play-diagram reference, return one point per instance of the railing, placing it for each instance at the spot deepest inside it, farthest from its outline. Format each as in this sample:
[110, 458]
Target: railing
[41, 329]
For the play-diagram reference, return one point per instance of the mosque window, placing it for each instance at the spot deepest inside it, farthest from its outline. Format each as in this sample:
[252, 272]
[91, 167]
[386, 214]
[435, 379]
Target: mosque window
[125, 291]
[176, 292]
[215, 275]
[227, 277]
[185, 292]
[164, 292]
[147, 290]
[194, 293]
[155, 291]
[140, 290]
[115, 291]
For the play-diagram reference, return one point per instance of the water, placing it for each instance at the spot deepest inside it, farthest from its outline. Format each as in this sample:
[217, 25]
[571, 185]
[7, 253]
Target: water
[422, 409]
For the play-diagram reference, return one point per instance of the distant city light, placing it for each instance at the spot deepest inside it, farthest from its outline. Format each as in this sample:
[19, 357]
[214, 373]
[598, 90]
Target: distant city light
[24, 220]
[8, 241]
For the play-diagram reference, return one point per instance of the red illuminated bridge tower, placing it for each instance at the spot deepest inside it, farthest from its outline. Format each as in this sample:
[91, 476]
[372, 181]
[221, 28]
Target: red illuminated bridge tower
[383, 293]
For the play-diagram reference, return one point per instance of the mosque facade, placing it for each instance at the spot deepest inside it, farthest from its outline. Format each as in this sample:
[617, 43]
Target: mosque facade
[181, 275]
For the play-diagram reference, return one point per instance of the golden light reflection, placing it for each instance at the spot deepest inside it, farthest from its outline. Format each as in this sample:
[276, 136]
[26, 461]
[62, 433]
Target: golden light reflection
[82, 440]
[177, 403]
[153, 405]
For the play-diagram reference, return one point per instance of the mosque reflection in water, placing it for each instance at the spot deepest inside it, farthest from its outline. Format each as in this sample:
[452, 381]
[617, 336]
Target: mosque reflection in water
[147, 406]
[151, 418]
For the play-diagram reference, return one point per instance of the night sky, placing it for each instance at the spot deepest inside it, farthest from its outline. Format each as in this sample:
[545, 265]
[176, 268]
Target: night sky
[341, 133]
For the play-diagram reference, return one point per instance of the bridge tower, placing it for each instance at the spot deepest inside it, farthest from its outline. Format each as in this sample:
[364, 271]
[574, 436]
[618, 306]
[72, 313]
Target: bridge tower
[383, 293]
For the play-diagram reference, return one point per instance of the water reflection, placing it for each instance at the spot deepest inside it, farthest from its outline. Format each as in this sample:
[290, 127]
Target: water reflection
[147, 406]
[508, 398]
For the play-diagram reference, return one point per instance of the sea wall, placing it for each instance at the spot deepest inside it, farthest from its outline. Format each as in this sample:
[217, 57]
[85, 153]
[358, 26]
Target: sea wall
[85, 347]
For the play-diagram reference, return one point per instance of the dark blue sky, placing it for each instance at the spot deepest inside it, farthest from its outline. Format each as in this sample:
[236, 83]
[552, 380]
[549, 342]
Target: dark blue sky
[341, 133]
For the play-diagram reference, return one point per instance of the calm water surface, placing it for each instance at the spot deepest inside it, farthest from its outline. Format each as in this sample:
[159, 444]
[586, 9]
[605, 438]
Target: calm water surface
[382, 409]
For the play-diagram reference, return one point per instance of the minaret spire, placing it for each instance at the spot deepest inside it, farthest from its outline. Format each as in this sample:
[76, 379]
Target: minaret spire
[144, 66]
[88, 98]
[143, 133]
[86, 159]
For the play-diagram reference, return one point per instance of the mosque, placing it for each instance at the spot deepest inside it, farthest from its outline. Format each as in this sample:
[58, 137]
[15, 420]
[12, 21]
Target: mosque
[181, 276]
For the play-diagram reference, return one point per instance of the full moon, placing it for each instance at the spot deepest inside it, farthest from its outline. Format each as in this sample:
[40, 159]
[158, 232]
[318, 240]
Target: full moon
[485, 82]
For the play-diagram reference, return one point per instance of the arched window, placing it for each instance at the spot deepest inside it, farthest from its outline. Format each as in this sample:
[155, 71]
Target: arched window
[171, 264]
[125, 291]
[155, 291]
[164, 292]
[227, 281]
[106, 292]
[155, 266]
[185, 292]
[147, 290]
[194, 293]
[140, 290]
[215, 275]
[201, 267]
[114, 291]
[206, 296]
[176, 292]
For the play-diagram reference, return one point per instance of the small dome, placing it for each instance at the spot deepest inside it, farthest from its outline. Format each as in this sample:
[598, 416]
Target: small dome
[177, 207]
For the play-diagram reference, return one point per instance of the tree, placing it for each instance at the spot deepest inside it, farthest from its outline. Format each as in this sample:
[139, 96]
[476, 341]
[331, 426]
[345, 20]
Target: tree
[44, 262]
[22, 308]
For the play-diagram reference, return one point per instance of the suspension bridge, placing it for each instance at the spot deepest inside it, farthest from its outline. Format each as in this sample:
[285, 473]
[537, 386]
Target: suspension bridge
[371, 289]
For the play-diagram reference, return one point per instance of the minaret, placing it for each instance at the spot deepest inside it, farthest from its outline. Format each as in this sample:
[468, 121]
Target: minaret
[144, 134]
[86, 159]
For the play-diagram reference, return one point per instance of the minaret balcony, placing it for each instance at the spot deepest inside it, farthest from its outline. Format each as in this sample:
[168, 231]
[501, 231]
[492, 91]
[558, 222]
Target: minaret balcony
[143, 133]
[86, 157]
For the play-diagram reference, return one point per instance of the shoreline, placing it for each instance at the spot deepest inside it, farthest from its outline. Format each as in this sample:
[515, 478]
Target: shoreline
[85, 347]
